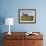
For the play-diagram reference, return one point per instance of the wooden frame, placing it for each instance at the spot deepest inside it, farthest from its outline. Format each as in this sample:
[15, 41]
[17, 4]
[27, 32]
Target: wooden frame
[27, 15]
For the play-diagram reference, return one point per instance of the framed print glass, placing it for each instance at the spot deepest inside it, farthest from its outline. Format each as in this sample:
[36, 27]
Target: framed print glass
[27, 15]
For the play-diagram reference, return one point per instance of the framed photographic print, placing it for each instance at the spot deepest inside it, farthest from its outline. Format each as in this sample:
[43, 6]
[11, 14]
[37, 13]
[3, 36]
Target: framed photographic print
[27, 15]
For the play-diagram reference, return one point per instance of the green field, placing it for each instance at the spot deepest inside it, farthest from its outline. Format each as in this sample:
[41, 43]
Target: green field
[26, 18]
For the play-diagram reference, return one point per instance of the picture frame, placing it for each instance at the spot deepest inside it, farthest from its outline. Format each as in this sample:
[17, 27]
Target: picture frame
[27, 15]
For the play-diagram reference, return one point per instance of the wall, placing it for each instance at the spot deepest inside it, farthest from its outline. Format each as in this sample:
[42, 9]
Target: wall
[9, 8]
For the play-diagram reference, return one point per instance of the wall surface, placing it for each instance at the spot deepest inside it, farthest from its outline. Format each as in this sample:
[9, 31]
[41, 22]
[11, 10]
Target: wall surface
[9, 8]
